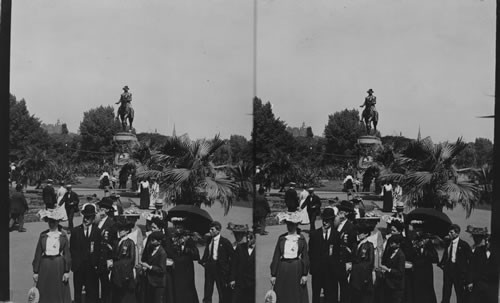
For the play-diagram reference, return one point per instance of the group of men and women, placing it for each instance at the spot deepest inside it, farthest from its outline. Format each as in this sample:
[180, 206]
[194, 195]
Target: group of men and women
[113, 262]
[349, 261]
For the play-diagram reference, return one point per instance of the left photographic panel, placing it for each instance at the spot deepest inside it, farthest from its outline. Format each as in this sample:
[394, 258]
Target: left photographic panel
[130, 160]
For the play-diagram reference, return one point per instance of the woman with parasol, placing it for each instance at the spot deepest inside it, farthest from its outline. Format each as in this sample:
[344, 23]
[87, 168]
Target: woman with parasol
[290, 264]
[52, 261]
[186, 253]
[424, 256]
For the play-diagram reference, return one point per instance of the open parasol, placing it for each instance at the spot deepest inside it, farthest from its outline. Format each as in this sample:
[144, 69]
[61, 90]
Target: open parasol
[434, 221]
[196, 219]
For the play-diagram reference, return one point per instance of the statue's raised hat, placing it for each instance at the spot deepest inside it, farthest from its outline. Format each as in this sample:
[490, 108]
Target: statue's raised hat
[370, 91]
[126, 87]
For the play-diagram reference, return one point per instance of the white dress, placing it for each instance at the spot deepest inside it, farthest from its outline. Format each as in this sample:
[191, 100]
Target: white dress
[303, 212]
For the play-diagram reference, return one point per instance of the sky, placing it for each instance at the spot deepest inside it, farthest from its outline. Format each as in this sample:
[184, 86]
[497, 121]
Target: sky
[187, 62]
[190, 62]
[431, 63]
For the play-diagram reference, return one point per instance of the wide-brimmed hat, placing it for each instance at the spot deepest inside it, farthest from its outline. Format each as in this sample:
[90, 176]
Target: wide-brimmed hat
[289, 217]
[235, 228]
[346, 206]
[400, 205]
[105, 202]
[50, 181]
[292, 184]
[69, 186]
[126, 87]
[328, 213]
[477, 231]
[310, 189]
[123, 224]
[88, 209]
[364, 227]
[131, 213]
[370, 91]
[158, 203]
[53, 214]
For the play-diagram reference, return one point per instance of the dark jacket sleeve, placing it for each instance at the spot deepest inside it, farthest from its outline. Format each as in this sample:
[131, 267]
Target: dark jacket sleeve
[304, 256]
[160, 267]
[276, 258]
[235, 263]
[397, 267]
[38, 255]
[66, 254]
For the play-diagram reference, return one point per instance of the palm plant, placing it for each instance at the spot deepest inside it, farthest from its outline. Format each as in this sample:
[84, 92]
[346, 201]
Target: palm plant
[429, 178]
[186, 174]
[243, 177]
[36, 164]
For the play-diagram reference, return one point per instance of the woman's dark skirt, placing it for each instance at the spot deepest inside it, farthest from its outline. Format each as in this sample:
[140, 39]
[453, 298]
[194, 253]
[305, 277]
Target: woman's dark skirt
[50, 285]
[287, 286]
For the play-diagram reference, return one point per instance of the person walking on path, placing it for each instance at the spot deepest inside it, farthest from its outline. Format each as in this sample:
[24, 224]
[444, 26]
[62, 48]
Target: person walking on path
[291, 198]
[217, 263]
[144, 194]
[455, 265]
[243, 271]
[49, 195]
[324, 247]
[290, 264]
[387, 197]
[70, 201]
[154, 193]
[302, 209]
[18, 207]
[313, 204]
[52, 261]
[84, 246]
[261, 211]
[154, 265]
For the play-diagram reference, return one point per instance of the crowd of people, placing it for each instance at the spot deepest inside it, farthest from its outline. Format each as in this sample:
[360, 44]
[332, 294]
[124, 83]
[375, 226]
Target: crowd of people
[114, 262]
[349, 260]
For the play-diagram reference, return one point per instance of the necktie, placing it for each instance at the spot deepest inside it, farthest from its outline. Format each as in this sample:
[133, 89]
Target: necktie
[87, 232]
[451, 252]
[212, 250]
[325, 235]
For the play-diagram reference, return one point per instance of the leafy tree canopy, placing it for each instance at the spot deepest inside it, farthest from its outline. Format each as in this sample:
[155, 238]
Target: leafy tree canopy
[342, 132]
[24, 129]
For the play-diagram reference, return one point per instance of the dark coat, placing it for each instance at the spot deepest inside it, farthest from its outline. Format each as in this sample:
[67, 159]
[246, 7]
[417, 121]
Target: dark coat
[362, 267]
[70, 200]
[156, 275]
[395, 278]
[49, 195]
[122, 274]
[313, 203]
[224, 254]
[18, 203]
[323, 256]
[463, 257]
[261, 206]
[348, 242]
[243, 267]
[291, 198]
[85, 249]
[303, 255]
[481, 268]
[63, 250]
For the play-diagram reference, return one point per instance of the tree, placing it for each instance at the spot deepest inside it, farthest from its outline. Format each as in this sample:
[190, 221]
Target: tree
[342, 132]
[484, 151]
[24, 130]
[36, 164]
[428, 176]
[241, 149]
[269, 133]
[186, 174]
[97, 130]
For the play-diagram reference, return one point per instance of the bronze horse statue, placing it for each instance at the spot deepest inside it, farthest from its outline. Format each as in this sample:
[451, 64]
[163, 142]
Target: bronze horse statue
[369, 116]
[126, 113]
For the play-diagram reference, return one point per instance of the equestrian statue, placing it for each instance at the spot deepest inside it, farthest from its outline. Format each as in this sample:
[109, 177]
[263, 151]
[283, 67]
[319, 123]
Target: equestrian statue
[125, 111]
[370, 113]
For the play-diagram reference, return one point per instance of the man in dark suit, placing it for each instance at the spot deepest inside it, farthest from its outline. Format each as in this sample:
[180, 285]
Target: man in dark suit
[70, 201]
[324, 249]
[217, 262]
[85, 247]
[455, 264]
[18, 206]
[108, 232]
[291, 198]
[243, 271]
[260, 211]
[348, 243]
[49, 195]
[393, 269]
[483, 275]
[313, 203]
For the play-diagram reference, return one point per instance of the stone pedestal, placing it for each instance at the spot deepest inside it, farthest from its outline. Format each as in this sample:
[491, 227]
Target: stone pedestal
[124, 143]
[370, 145]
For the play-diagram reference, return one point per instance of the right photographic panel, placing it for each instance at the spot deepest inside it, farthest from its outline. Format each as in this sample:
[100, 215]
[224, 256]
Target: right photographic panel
[373, 143]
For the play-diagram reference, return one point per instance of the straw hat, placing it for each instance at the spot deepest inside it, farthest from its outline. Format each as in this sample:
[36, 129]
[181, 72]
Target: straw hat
[290, 217]
[53, 214]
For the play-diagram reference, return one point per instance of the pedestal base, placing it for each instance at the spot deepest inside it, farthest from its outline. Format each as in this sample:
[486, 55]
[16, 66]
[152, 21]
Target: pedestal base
[369, 140]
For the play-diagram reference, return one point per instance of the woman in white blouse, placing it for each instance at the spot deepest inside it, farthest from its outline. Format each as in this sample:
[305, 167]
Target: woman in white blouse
[290, 265]
[52, 261]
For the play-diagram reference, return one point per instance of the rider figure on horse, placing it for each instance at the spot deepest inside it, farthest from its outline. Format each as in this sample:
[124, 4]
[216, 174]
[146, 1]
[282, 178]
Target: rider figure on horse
[369, 104]
[125, 100]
